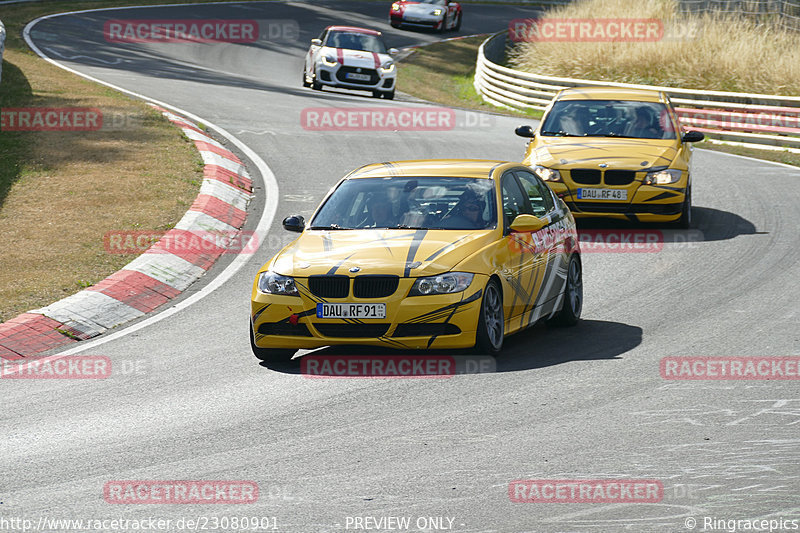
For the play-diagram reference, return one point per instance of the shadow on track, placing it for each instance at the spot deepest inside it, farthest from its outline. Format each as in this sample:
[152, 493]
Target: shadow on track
[708, 225]
[537, 347]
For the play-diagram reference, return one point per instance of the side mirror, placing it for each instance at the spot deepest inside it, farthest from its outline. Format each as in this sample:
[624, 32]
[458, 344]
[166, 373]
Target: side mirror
[294, 223]
[316, 42]
[393, 51]
[692, 137]
[525, 131]
[526, 223]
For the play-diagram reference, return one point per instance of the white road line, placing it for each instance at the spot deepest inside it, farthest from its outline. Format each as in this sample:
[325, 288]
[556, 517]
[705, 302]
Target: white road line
[264, 223]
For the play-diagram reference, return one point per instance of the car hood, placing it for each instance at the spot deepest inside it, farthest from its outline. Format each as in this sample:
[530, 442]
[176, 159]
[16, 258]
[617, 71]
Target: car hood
[421, 8]
[580, 152]
[356, 58]
[411, 253]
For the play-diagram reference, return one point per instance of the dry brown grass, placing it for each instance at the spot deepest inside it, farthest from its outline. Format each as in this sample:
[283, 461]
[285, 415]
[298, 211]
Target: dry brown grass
[728, 54]
[70, 188]
[444, 73]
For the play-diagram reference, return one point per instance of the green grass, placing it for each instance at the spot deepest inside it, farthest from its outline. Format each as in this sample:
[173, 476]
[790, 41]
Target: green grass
[785, 157]
[444, 72]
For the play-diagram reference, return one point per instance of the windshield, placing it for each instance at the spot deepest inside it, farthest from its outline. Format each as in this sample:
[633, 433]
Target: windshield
[419, 203]
[608, 118]
[355, 41]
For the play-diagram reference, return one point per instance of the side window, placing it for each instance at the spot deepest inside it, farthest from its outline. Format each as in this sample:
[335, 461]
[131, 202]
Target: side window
[514, 202]
[538, 194]
[323, 36]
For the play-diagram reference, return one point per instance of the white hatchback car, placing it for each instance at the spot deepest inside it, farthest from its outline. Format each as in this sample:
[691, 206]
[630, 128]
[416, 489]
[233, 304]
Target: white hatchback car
[351, 58]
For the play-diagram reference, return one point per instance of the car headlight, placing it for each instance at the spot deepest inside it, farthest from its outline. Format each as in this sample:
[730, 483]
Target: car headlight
[436, 12]
[329, 60]
[395, 7]
[442, 284]
[547, 174]
[663, 176]
[388, 66]
[273, 283]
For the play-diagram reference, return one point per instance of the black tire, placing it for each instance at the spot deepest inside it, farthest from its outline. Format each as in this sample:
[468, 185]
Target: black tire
[685, 222]
[444, 24]
[317, 86]
[491, 322]
[458, 24]
[268, 355]
[376, 94]
[572, 303]
[395, 25]
[306, 83]
[389, 95]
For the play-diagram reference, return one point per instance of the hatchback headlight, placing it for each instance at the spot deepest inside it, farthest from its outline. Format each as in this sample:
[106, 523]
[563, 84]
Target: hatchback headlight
[388, 66]
[329, 60]
[443, 284]
[436, 12]
[547, 174]
[272, 283]
[395, 7]
[663, 176]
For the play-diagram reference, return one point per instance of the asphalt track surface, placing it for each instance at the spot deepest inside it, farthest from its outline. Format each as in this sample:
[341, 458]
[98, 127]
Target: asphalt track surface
[580, 403]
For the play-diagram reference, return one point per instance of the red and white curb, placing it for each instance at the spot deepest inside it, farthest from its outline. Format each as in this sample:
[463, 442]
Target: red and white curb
[156, 276]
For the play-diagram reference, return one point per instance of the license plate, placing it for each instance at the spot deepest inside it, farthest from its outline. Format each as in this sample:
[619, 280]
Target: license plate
[351, 310]
[356, 76]
[602, 194]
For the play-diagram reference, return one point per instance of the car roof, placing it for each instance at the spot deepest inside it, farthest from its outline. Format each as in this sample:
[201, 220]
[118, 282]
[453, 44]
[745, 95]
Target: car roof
[456, 168]
[353, 29]
[611, 93]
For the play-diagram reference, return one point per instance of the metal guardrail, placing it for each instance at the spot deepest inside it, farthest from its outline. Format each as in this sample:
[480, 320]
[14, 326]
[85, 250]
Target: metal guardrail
[759, 119]
[2, 47]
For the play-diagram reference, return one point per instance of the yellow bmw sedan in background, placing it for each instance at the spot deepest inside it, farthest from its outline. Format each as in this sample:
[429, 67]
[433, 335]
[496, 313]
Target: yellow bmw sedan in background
[614, 152]
[418, 255]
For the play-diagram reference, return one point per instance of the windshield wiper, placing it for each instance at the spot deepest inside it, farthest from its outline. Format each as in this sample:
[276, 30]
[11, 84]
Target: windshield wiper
[404, 226]
[332, 226]
[611, 134]
[562, 133]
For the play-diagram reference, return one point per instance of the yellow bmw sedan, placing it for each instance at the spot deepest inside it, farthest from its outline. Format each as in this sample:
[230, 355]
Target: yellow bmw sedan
[614, 152]
[421, 255]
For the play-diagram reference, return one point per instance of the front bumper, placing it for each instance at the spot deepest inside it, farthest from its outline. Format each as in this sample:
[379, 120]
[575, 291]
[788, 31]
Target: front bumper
[335, 76]
[419, 21]
[418, 322]
[647, 203]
